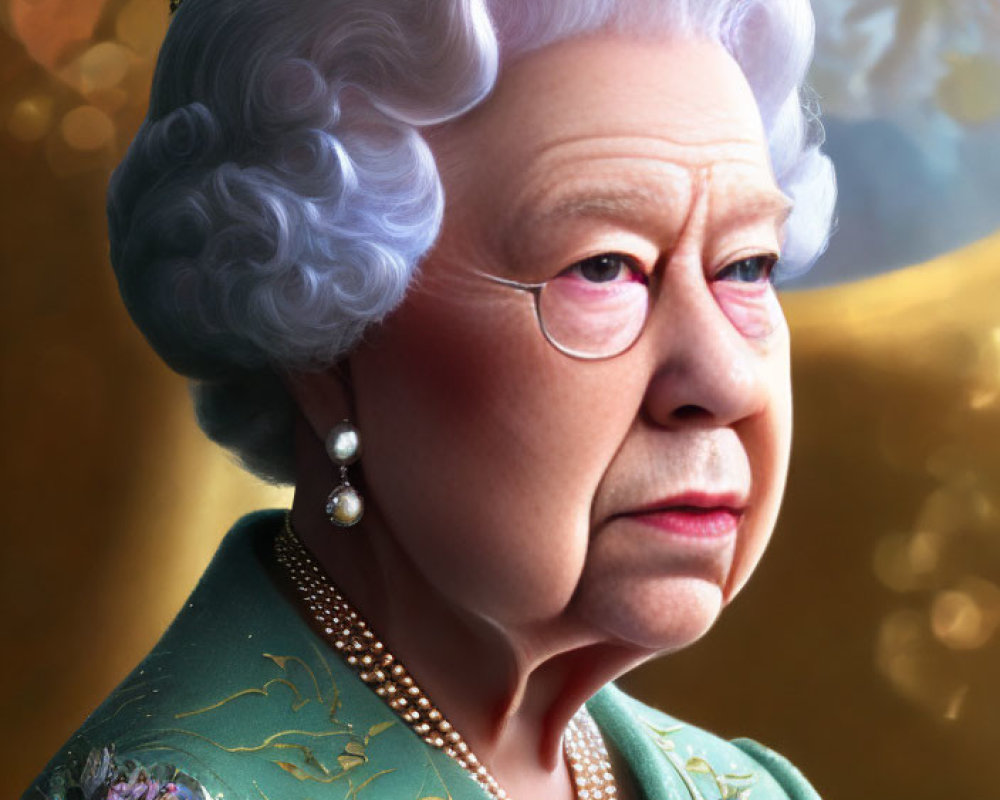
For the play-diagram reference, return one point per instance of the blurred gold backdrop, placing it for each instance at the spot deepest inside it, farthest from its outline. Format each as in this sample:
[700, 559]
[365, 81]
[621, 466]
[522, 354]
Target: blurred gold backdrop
[877, 606]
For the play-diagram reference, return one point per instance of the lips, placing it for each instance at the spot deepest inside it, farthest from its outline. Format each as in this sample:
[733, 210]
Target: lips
[693, 514]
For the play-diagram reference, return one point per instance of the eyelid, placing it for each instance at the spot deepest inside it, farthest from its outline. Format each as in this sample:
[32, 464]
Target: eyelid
[560, 249]
[745, 255]
[635, 262]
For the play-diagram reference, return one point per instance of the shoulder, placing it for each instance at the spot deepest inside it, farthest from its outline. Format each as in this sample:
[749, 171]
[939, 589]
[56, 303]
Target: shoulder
[241, 700]
[152, 736]
[667, 752]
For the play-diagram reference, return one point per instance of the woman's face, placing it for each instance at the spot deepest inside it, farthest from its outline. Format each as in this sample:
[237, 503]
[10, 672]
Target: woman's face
[529, 487]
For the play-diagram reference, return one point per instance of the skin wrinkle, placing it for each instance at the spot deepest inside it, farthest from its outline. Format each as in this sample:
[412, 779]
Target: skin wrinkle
[491, 537]
[688, 156]
[608, 205]
[715, 462]
[557, 204]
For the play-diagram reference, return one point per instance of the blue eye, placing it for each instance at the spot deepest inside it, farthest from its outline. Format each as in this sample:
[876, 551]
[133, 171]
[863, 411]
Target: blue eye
[753, 269]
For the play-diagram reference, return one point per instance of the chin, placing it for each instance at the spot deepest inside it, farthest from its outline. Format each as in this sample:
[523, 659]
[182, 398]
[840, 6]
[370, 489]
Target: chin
[653, 614]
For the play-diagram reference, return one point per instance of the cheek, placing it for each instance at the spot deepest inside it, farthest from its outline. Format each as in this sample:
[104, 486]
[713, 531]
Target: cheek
[752, 308]
[482, 452]
[431, 365]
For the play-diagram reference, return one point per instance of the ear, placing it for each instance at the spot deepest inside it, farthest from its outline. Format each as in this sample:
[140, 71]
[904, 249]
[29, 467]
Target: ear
[324, 397]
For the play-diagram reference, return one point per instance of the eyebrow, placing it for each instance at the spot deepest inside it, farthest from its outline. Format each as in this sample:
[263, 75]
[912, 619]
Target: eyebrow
[648, 204]
[770, 203]
[604, 205]
[601, 203]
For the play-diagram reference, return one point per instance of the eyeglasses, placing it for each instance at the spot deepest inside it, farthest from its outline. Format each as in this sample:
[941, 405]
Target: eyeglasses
[596, 309]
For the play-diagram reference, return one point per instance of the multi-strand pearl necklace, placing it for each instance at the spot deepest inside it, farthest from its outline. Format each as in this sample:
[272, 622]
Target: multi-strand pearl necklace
[354, 640]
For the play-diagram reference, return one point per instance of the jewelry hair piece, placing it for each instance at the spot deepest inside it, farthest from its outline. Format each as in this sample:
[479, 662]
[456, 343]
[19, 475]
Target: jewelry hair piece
[344, 506]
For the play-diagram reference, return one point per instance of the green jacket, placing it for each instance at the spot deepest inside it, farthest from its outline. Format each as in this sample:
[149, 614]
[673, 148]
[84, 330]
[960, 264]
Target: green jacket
[241, 700]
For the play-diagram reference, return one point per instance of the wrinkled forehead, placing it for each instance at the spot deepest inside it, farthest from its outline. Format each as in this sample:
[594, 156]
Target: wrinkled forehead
[633, 115]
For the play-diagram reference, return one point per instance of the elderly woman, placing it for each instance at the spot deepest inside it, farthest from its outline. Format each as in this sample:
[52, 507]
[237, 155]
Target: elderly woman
[492, 284]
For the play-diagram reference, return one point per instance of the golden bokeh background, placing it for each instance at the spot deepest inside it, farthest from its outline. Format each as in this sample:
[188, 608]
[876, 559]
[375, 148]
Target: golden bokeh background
[865, 648]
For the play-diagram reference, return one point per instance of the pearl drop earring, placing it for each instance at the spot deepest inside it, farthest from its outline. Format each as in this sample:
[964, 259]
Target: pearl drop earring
[344, 506]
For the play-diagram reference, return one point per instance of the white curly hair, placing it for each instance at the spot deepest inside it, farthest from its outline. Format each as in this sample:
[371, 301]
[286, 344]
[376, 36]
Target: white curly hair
[279, 195]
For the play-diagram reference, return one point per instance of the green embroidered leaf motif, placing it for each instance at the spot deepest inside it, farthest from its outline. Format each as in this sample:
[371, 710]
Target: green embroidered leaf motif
[349, 762]
[662, 731]
[353, 756]
[734, 787]
[264, 690]
[662, 735]
[364, 783]
[295, 770]
[310, 758]
[698, 765]
[281, 661]
[376, 729]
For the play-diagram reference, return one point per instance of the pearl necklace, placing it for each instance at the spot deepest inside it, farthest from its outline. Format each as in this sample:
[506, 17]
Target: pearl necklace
[354, 640]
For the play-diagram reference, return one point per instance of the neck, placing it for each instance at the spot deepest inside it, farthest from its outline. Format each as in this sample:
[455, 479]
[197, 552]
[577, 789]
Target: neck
[509, 693]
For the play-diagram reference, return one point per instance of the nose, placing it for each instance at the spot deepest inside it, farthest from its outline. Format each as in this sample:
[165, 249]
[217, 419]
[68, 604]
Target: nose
[705, 372]
[704, 382]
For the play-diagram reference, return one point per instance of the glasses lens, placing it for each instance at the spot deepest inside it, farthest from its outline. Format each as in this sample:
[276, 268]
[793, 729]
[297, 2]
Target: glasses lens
[592, 319]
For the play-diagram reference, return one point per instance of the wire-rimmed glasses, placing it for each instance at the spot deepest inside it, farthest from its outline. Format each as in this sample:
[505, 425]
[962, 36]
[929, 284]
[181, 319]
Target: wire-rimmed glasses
[584, 319]
[598, 307]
